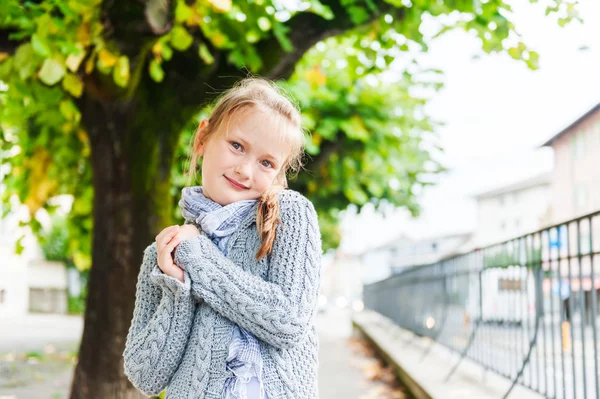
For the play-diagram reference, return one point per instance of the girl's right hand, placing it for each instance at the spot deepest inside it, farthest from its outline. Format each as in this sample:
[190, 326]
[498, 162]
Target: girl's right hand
[166, 242]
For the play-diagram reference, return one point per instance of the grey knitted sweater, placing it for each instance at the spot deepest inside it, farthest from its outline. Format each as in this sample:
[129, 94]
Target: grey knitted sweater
[180, 332]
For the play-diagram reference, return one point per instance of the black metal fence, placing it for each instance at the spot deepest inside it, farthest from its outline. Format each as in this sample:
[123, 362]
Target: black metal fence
[526, 308]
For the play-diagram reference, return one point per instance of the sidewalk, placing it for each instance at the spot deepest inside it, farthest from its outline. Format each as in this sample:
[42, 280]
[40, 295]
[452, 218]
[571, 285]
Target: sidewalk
[426, 375]
[31, 332]
[341, 370]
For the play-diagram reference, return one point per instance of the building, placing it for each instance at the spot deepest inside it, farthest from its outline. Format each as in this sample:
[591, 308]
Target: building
[576, 175]
[404, 252]
[29, 283]
[513, 210]
[31, 286]
[426, 251]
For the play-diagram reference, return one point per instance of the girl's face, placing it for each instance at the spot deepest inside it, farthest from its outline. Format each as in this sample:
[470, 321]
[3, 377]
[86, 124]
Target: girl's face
[242, 159]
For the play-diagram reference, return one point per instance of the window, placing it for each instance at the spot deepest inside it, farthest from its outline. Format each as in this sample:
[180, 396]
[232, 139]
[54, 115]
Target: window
[1, 295]
[517, 223]
[503, 225]
[577, 145]
[501, 200]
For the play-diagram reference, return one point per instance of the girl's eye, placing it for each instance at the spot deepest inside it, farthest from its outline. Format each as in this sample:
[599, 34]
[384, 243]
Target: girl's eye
[267, 164]
[236, 145]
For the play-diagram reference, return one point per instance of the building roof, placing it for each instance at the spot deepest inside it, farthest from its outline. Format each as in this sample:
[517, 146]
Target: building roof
[572, 125]
[539, 180]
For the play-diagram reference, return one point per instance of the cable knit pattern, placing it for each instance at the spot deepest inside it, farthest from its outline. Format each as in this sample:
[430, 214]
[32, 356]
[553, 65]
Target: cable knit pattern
[274, 299]
[161, 324]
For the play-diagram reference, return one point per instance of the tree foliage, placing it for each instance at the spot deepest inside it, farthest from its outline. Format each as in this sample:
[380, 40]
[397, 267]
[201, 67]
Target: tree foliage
[367, 138]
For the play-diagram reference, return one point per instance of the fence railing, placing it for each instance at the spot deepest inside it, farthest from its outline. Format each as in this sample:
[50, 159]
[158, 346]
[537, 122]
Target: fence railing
[526, 308]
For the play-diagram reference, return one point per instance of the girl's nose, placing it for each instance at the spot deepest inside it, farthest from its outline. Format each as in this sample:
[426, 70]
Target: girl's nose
[243, 170]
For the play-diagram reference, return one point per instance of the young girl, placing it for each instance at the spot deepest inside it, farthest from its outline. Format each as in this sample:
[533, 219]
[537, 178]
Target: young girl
[231, 314]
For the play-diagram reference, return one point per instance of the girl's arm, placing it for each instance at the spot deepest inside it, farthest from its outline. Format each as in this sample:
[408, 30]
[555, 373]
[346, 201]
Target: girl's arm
[278, 311]
[162, 320]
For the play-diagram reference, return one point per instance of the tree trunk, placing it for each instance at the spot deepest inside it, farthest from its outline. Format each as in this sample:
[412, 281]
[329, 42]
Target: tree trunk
[131, 205]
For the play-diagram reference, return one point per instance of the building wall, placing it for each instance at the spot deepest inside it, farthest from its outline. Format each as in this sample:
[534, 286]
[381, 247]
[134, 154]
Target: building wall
[38, 286]
[13, 283]
[512, 214]
[426, 251]
[576, 176]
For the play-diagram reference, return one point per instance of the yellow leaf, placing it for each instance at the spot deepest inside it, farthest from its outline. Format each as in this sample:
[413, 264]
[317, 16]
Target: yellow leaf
[73, 84]
[315, 76]
[218, 39]
[74, 60]
[83, 34]
[82, 135]
[3, 56]
[81, 260]
[67, 127]
[89, 64]
[40, 187]
[221, 5]
[106, 58]
[316, 138]
[157, 48]
[194, 19]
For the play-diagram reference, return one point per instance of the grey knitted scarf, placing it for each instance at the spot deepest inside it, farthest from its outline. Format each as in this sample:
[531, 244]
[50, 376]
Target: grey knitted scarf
[219, 222]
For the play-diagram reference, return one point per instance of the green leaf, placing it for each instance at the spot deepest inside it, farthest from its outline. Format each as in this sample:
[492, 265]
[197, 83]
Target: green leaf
[5, 70]
[73, 84]
[121, 71]
[320, 9]
[25, 61]
[69, 110]
[180, 38]
[40, 46]
[264, 24]
[52, 71]
[358, 15]
[167, 52]
[156, 72]
[205, 54]
[19, 247]
[280, 32]
[182, 12]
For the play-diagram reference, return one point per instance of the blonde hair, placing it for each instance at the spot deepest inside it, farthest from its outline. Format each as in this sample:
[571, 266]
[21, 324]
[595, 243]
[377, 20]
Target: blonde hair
[263, 95]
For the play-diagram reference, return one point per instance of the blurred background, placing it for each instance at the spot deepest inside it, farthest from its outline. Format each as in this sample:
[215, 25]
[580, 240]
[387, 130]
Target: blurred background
[454, 161]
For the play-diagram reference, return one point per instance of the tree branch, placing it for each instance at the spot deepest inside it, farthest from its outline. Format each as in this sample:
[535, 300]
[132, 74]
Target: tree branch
[328, 148]
[7, 45]
[306, 29]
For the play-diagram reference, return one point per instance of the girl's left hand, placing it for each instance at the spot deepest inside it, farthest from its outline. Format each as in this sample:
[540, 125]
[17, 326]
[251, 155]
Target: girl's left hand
[187, 231]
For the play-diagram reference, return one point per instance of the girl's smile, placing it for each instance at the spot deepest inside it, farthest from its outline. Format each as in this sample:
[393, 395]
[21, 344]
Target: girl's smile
[235, 184]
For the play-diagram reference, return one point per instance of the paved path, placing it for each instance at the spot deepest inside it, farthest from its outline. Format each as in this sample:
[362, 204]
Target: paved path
[32, 332]
[341, 373]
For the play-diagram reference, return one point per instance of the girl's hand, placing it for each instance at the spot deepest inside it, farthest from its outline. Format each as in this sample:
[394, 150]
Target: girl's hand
[166, 241]
[187, 231]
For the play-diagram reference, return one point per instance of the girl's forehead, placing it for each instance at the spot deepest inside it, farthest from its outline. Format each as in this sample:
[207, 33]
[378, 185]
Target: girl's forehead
[262, 130]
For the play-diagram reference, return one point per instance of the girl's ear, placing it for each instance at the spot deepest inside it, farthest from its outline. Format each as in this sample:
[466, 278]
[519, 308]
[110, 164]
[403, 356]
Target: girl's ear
[199, 142]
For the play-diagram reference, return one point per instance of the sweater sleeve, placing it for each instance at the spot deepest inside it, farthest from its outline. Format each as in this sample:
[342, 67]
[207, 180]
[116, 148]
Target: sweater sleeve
[278, 311]
[161, 324]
